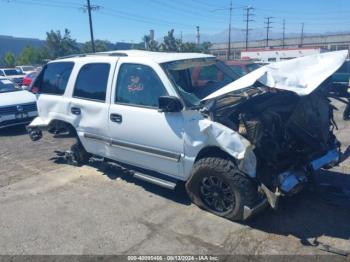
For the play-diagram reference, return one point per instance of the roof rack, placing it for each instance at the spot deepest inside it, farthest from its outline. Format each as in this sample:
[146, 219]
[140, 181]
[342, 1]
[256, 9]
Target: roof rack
[117, 54]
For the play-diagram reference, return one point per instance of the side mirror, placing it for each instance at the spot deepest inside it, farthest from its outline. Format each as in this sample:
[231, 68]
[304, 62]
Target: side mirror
[169, 104]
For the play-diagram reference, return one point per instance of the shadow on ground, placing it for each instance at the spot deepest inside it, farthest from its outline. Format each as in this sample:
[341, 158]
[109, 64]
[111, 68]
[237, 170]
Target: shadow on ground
[13, 131]
[324, 211]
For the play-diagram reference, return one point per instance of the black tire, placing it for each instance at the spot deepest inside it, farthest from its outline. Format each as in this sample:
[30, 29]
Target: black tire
[236, 191]
[80, 155]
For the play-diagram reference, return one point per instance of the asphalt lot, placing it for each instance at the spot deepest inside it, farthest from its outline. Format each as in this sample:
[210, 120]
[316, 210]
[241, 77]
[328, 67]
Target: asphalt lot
[47, 207]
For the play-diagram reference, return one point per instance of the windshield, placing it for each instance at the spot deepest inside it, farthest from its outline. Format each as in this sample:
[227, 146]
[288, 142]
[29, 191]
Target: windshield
[195, 79]
[12, 72]
[252, 67]
[7, 86]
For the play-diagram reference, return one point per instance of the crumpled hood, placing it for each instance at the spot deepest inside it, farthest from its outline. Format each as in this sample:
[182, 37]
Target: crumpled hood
[300, 75]
[16, 98]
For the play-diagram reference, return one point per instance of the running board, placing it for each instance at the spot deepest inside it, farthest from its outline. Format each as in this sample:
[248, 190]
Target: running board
[155, 180]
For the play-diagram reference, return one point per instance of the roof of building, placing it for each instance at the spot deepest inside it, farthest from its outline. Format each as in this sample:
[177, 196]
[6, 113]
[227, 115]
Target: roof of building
[158, 57]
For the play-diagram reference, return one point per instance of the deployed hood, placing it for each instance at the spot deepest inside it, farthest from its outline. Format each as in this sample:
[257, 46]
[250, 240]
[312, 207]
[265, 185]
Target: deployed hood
[300, 75]
[16, 98]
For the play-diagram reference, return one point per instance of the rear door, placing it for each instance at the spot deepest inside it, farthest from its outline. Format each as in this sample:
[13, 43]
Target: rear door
[89, 103]
[141, 135]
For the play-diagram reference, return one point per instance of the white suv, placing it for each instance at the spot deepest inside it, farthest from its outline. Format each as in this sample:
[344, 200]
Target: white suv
[171, 117]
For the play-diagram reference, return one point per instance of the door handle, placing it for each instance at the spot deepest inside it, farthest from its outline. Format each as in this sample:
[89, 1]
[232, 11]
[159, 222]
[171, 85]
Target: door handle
[75, 111]
[116, 118]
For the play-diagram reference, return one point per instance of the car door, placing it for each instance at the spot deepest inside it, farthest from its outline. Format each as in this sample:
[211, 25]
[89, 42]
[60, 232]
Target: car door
[89, 103]
[141, 135]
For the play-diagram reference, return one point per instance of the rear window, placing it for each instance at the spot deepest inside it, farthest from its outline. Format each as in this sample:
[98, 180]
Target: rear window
[54, 78]
[12, 72]
[92, 82]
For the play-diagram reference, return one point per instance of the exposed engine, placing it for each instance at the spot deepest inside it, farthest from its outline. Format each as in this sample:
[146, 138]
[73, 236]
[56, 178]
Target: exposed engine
[287, 131]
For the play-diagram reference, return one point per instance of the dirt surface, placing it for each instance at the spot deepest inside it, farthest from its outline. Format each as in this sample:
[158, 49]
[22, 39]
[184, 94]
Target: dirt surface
[50, 208]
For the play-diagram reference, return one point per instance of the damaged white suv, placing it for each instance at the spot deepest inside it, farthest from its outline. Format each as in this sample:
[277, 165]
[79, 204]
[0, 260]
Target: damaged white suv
[168, 117]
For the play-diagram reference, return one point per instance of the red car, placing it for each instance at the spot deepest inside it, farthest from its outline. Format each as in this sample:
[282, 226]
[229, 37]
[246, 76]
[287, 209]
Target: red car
[28, 79]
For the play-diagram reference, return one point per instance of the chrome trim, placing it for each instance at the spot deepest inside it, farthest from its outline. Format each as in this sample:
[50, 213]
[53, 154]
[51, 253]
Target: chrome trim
[136, 148]
[155, 180]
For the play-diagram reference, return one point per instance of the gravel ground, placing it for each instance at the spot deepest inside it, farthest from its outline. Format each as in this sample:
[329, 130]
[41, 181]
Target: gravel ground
[51, 208]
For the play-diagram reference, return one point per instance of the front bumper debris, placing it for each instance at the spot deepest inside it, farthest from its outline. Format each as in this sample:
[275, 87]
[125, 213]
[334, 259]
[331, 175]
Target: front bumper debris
[331, 158]
[249, 212]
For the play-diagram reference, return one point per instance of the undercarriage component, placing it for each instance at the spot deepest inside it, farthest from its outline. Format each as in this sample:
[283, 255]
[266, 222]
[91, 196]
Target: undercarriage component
[292, 182]
[35, 134]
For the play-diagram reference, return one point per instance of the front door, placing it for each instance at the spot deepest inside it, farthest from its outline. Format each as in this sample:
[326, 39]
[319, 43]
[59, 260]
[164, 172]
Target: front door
[141, 135]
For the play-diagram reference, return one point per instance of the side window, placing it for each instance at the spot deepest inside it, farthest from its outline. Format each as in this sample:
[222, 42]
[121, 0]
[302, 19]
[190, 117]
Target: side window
[1, 73]
[139, 85]
[92, 81]
[54, 79]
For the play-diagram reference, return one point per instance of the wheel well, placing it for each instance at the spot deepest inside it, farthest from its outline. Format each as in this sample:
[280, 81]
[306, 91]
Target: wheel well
[59, 126]
[213, 151]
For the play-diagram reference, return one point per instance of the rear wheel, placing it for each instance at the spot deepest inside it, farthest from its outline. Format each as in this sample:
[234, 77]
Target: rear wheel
[77, 156]
[218, 186]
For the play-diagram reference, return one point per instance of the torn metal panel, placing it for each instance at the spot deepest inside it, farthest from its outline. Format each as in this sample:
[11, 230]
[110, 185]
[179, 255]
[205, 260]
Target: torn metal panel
[203, 133]
[300, 75]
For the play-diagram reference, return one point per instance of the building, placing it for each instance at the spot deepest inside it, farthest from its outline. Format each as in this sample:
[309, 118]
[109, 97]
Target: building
[267, 55]
[322, 42]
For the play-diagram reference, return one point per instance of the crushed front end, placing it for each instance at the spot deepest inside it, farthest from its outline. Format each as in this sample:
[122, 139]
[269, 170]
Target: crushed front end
[292, 136]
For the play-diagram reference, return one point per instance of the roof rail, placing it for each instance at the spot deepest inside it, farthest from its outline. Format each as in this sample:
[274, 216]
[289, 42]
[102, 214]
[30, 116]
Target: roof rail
[94, 54]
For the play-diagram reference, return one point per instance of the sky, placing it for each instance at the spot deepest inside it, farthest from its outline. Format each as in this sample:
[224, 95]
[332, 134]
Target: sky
[130, 20]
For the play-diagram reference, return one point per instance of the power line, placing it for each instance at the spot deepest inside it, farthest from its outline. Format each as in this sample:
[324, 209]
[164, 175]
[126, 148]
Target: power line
[268, 27]
[247, 20]
[90, 8]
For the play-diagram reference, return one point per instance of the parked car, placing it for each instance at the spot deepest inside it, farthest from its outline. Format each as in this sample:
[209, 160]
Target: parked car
[238, 144]
[26, 69]
[242, 67]
[28, 79]
[342, 75]
[12, 74]
[17, 106]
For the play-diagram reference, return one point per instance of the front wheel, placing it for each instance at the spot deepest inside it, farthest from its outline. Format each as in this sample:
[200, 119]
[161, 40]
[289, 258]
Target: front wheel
[218, 186]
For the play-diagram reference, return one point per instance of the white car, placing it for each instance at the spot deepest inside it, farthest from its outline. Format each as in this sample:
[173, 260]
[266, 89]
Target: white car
[17, 106]
[26, 69]
[12, 74]
[168, 117]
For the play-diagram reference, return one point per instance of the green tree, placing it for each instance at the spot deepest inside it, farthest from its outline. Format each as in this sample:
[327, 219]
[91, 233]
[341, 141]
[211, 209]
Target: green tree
[189, 47]
[169, 43]
[31, 56]
[10, 59]
[150, 44]
[205, 47]
[100, 46]
[146, 39]
[58, 45]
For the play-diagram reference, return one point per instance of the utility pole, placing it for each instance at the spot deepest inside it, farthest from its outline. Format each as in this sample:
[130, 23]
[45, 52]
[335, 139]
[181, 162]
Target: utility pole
[229, 34]
[230, 8]
[284, 34]
[302, 35]
[247, 20]
[268, 27]
[198, 37]
[90, 8]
